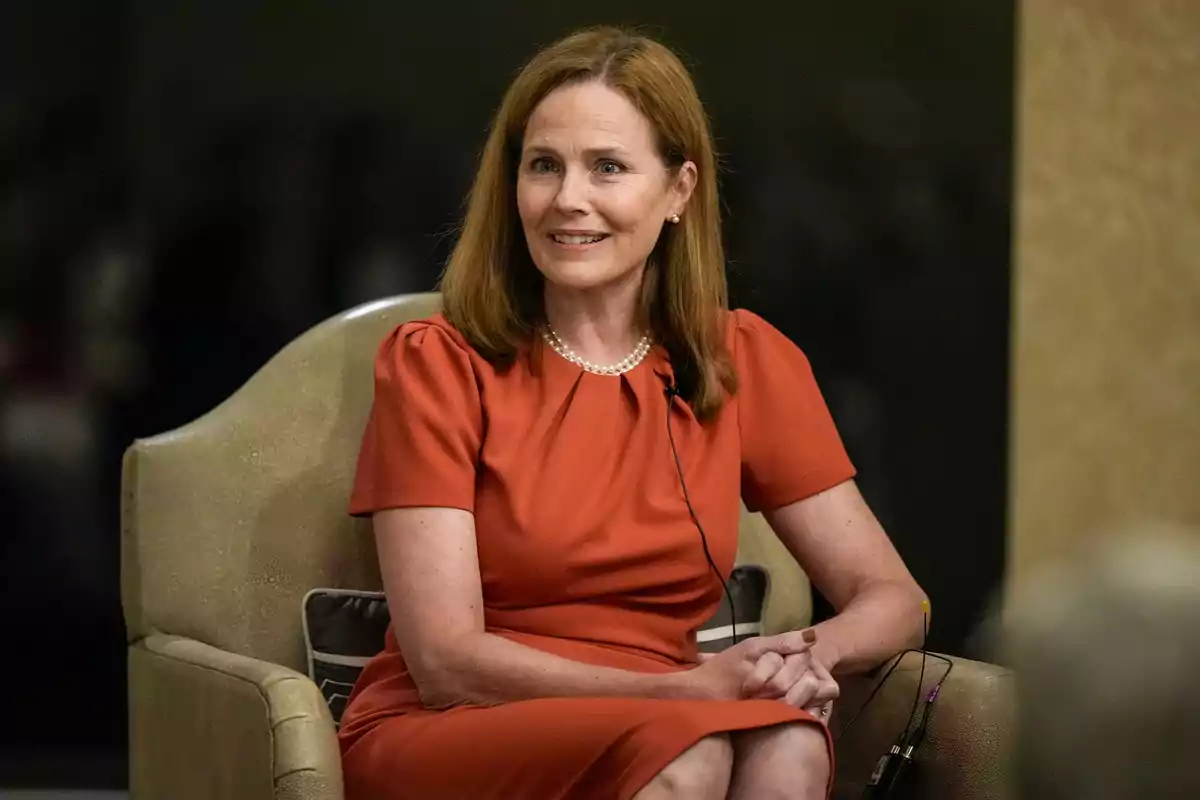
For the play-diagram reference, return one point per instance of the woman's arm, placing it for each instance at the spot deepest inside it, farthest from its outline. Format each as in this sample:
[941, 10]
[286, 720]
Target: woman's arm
[430, 569]
[847, 555]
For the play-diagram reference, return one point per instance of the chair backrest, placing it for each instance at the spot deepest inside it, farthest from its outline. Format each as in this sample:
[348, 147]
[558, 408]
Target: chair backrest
[229, 520]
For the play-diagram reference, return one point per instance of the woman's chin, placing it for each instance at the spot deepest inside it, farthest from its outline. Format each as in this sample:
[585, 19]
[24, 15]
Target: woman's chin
[584, 278]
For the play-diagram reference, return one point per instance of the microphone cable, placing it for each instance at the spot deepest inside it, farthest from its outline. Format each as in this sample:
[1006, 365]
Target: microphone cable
[671, 393]
[893, 765]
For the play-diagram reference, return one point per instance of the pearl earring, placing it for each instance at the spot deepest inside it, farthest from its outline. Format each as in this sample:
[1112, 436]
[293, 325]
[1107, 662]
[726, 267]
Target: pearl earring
[674, 219]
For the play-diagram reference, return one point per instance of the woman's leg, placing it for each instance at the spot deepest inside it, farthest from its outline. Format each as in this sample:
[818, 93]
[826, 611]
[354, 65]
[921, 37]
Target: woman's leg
[784, 761]
[699, 773]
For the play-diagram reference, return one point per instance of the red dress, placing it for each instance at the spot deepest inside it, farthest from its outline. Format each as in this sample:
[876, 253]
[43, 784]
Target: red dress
[586, 549]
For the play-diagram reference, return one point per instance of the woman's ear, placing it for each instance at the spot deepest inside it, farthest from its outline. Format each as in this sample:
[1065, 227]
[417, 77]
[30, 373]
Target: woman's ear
[684, 185]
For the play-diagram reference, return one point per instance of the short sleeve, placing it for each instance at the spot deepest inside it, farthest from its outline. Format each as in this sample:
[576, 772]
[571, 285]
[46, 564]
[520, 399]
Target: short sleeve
[790, 446]
[422, 439]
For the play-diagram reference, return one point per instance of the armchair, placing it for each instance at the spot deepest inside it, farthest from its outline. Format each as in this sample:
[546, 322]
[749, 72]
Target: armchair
[229, 520]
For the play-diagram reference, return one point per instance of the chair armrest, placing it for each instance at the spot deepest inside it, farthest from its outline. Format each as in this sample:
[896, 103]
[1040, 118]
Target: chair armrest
[965, 752]
[207, 723]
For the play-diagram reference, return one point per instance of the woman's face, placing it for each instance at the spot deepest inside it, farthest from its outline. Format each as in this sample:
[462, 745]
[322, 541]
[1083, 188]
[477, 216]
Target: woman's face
[592, 190]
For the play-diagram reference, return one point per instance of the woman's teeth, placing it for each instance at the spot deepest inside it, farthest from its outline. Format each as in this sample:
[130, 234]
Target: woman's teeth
[563, 238]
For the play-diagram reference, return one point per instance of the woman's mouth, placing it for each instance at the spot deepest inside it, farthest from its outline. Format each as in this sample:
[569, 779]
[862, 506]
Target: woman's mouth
[578, 239]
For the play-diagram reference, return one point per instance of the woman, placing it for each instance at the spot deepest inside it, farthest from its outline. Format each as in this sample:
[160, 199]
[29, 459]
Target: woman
[551, 464]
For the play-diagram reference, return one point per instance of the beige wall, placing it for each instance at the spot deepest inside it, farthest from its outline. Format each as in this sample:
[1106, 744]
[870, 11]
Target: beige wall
[1106, 380]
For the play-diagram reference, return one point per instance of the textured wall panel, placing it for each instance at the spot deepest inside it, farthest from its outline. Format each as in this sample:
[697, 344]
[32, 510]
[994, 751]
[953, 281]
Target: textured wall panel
[1106, 381]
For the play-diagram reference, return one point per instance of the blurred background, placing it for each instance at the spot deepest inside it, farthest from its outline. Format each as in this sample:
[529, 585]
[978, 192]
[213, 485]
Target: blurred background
[185, 187]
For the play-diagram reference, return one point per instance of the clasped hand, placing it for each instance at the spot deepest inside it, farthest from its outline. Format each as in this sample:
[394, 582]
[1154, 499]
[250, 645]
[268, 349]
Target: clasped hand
[778, 667]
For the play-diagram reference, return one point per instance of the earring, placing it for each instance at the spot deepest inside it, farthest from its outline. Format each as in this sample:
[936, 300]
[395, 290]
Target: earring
[674, 219]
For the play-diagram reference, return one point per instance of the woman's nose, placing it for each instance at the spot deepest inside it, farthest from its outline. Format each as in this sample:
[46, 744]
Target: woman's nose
[573, 192]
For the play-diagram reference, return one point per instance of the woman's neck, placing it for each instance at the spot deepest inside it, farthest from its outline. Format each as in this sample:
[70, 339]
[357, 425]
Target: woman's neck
[600, 325]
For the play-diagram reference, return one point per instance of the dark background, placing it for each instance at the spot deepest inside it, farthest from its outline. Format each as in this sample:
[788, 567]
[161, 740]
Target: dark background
[184, 187]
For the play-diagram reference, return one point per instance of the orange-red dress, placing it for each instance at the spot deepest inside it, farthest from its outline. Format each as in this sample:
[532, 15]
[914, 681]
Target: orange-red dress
[586, 549]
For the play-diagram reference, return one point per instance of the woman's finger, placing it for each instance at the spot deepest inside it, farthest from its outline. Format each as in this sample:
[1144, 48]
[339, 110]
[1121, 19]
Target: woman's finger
[764, 670]
[827, 688]
[790, 643]
[801, 693]
[793, 667]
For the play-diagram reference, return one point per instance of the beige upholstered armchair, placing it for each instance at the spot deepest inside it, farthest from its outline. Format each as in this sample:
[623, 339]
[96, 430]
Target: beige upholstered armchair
[228, 521]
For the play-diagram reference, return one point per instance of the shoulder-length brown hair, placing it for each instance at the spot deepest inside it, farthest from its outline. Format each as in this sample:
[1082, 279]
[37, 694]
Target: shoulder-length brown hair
[492, 292]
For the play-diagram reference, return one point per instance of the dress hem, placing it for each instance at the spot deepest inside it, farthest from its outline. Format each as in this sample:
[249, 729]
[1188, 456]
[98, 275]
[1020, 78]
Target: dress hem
[639, 775]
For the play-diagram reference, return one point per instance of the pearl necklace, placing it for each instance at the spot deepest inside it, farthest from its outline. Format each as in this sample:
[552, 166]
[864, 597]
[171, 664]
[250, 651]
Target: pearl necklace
[620, 368]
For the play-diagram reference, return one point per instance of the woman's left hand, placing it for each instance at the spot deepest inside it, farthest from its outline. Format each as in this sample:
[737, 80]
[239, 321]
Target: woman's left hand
[820, 705]
[803, 682]
[784, 675]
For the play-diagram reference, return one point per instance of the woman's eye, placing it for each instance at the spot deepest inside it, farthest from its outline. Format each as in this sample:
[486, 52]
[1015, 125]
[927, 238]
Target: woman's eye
[608, 167]
[543, 164]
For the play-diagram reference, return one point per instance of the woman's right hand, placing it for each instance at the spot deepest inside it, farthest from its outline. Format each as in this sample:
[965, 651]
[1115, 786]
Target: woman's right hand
[741, 671]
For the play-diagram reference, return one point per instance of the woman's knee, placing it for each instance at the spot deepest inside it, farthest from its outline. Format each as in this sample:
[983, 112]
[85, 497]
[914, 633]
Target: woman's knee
[785, 761]
[801, 743]
[701, 772]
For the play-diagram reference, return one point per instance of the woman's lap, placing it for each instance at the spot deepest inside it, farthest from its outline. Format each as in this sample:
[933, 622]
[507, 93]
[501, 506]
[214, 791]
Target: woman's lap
[577, 748]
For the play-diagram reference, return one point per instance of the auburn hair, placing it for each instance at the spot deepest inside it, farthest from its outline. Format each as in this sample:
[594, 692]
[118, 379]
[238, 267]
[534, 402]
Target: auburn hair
[491, 290]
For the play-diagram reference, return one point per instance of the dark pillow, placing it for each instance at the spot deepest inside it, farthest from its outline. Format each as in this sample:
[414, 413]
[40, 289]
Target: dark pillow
[344, 628]
[748, 589]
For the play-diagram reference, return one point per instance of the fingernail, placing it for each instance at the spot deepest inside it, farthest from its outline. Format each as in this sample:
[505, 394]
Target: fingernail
[809, 635]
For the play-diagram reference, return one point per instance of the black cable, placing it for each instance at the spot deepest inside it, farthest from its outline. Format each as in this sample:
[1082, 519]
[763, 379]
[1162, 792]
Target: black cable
[874, 692]
[936, 657]
[930, 699]
[912, 715]
[890, 771]
[671, 393]
[893, 766]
